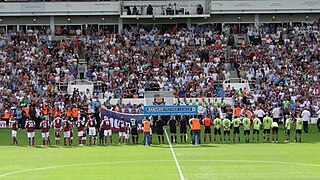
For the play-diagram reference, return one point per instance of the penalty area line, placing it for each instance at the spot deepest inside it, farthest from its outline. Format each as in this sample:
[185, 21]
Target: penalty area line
[174, 156]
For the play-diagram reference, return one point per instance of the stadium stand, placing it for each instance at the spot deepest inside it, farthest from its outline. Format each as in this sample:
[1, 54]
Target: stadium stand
[82, 58]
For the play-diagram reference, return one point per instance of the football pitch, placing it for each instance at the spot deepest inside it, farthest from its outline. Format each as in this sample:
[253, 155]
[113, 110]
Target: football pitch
[161, 161]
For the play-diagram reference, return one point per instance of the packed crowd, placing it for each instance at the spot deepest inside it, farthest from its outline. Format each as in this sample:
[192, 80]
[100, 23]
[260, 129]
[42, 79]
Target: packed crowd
[138, 60]
[33, 66]
[280, 62]
[283, 68]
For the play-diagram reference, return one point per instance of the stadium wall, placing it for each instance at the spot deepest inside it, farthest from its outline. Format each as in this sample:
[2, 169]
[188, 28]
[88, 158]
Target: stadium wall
[220, 11]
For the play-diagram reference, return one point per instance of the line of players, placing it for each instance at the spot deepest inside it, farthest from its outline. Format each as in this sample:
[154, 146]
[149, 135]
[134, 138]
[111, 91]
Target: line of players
[266, 123]
[125, 130]
[66, 126]
[224, 126]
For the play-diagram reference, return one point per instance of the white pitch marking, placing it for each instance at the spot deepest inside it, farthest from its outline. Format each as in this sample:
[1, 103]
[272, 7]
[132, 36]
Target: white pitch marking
[174, 156]
[152, 161]
[77, 165]
[251, 161]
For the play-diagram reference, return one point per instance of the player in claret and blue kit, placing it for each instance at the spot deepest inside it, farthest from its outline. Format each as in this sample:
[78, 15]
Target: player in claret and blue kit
[107, 129]
[57, 125]
[14, 128]
[45, 126]
[66, 131]
[30, 125]
[91, 125]
[122, 130]
[80, 127]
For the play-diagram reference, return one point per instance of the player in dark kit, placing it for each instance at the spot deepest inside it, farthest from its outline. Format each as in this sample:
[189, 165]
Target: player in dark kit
[134, 129]
[159, 128]
[207, 128]
[183, 129]
[173, 129]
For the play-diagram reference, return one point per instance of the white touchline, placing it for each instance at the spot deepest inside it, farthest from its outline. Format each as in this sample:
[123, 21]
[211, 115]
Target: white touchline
[174, 156]
[152, 161]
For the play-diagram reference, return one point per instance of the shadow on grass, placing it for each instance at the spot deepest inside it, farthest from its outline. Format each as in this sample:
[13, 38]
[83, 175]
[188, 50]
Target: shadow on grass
[185, 146]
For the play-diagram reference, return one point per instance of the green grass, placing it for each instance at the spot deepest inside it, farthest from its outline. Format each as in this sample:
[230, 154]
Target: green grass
[208, 161]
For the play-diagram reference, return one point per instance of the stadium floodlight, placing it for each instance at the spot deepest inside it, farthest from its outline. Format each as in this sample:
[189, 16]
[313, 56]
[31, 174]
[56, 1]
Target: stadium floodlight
[34, 21]
[1, 21]
[102, 20]
[273, 18]
[307, 17]
[69, 20]
[239, 18]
